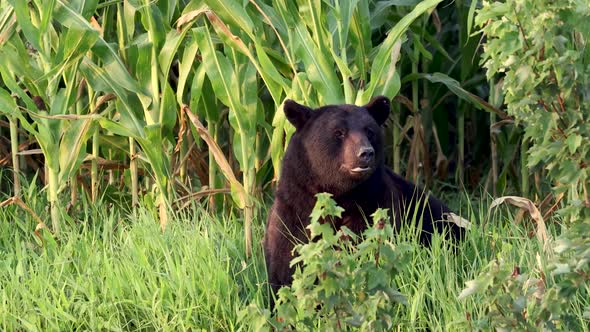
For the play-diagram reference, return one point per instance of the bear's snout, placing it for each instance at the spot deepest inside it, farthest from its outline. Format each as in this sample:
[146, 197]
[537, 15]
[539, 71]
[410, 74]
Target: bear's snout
[359, 155]
[366, 155]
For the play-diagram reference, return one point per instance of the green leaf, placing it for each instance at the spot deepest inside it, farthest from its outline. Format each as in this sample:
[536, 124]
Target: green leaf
[170, 50]
[17, 64]
[474, 286]
[119, 143]
[470, 15]
[116, 128]
[86, 8]
[168, 109]
[360, 38]
[102, 80]
[380, 215]
[197, 87]
[456, 88]
[152, 147]
[390, 83]
[7, 104]
[234, 12]
[9, 108]
[383, 57]
[324, 207]
[23, 17]
[423, 51]
[112, 65]
[573, 142]
[72, 147]
[219, 70]
[275, 82]
[319, 70]
[185, 67]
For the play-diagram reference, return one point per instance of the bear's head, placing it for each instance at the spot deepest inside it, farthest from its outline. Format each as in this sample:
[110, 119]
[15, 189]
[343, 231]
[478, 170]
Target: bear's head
[342, 144]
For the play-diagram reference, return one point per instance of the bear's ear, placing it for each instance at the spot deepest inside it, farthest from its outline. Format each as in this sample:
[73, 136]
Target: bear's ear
[296, 113]
[379, 108]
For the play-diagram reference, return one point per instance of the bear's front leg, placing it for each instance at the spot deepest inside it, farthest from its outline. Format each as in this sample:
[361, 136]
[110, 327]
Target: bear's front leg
[279, 242]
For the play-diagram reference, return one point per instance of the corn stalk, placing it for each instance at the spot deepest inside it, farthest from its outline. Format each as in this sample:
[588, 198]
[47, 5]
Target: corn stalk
[14, 152]
[50, 75]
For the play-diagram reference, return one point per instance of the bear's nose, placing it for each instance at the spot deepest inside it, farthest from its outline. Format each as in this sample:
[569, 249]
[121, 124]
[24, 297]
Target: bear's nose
[366, 154]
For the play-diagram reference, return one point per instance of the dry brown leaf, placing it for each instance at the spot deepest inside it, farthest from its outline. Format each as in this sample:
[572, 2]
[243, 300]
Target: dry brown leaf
[104, 99]
[527, 205]
[21, 204]
[495, 128]
[40, 226]
[94, 23]
[218, 23]
[30, 152]
[181, 132]
[436, 21]
[442, 163]
[190, 16]
[68, 116]
[458, 220]
[8, 29]
[217, 154]
[200, 194]
[404, 101]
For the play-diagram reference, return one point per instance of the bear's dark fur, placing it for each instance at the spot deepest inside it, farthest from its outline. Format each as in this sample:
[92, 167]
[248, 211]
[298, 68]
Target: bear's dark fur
[338, 149]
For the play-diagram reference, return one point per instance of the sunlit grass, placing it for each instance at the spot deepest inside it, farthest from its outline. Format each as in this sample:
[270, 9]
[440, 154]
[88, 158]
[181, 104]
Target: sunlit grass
[116, 272]
[112, 271]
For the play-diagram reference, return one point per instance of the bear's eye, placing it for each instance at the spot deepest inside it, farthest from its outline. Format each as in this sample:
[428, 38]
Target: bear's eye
[339, 133]
[370, 133]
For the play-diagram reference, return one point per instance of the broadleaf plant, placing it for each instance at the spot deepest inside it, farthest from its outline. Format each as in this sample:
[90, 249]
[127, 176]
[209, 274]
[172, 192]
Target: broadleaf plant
[540, 49]
[343, 281]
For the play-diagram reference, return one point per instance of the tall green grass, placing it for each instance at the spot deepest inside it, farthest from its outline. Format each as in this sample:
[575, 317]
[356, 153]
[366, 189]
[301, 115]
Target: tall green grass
[109, 270]
[115, 272]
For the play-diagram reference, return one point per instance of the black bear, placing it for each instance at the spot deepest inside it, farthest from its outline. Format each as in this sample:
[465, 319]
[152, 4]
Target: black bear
[339, 149]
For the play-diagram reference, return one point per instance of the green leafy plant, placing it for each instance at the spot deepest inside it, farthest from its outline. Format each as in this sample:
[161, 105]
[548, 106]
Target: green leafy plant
[540, 49]
[546, 296]
[343, 280]
[512, 300]
[61, 68]
[41, 78]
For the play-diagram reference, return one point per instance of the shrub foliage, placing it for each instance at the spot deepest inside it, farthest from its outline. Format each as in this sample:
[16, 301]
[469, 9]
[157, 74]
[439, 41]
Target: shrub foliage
[540, 49]
[343, 280]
